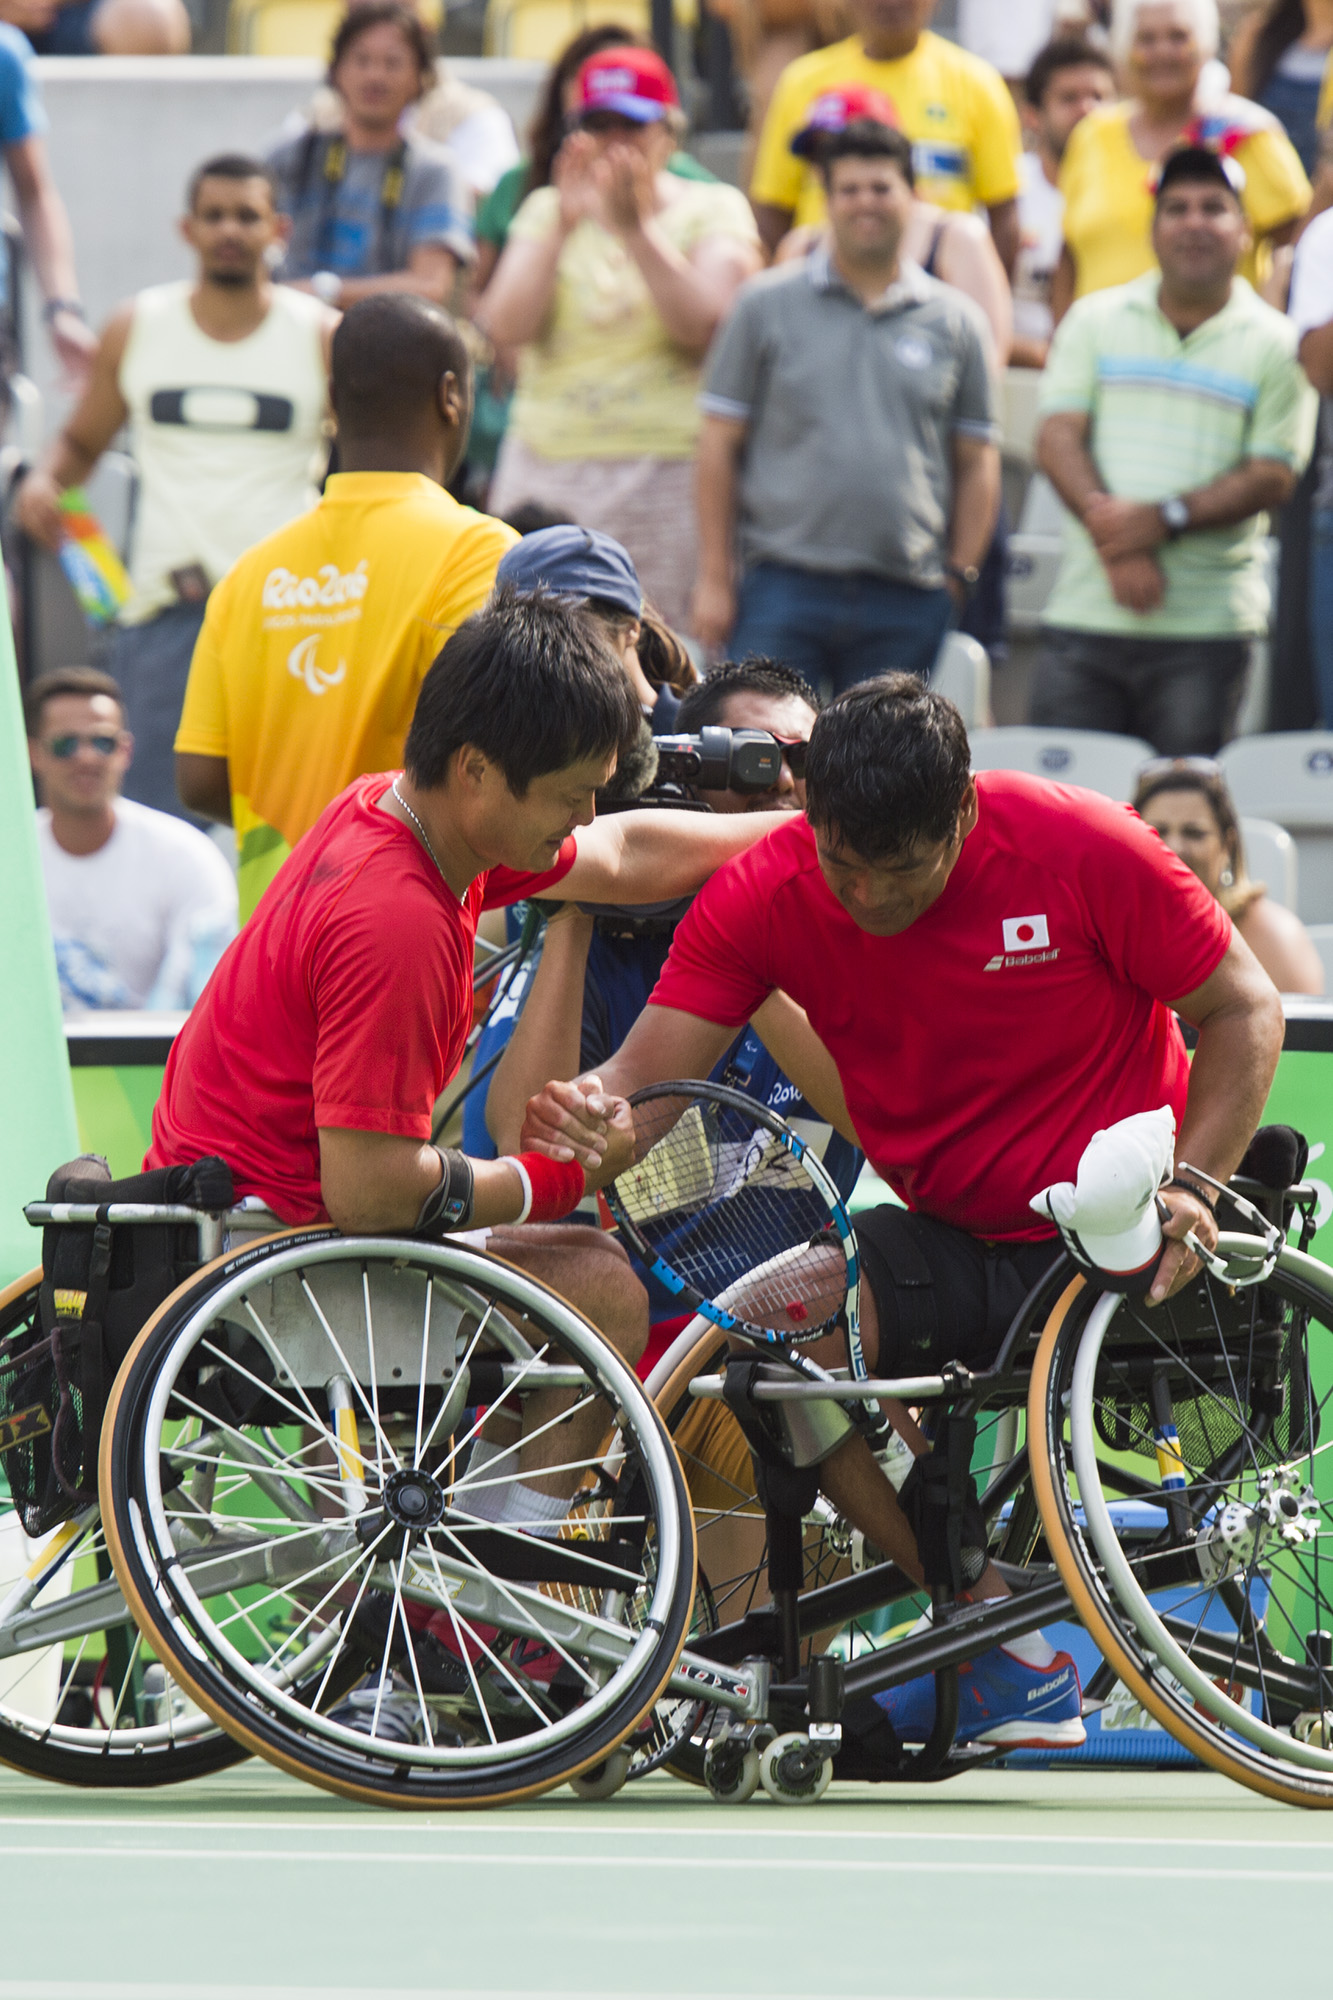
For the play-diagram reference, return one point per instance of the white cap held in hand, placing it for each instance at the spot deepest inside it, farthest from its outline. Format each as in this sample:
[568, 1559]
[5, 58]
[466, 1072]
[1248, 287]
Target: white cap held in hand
[1111, 1208]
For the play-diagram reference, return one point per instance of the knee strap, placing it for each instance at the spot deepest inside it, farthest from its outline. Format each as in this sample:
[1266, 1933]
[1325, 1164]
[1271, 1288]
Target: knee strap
[939, 1498]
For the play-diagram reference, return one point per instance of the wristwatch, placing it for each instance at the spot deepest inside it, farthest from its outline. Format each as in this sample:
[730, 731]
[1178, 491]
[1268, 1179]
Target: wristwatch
[965, 573]
[326, 285]
[1175, 515]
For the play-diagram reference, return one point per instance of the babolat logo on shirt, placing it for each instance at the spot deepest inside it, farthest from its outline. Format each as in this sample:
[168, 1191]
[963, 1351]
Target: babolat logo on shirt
[1027, 941]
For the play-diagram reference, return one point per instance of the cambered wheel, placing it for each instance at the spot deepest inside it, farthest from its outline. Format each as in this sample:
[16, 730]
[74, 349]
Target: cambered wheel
[1209, 1590]
[83, 1699]
[285, 1479]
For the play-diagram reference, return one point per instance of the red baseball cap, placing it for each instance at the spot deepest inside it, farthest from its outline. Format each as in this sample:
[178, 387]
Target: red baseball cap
[634, 83]
[834, 109]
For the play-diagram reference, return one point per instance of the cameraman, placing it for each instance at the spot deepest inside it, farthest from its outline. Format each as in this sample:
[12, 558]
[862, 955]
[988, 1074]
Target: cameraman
[596, 973]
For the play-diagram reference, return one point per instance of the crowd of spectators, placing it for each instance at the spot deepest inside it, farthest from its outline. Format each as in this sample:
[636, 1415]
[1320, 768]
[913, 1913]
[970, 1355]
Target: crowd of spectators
[406, 344]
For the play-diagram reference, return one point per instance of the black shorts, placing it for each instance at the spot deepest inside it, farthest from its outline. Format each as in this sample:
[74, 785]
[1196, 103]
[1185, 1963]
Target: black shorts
[941, 1294]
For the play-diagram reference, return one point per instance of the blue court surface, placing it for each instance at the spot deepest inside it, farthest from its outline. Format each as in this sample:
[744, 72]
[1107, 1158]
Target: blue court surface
[999, 1886]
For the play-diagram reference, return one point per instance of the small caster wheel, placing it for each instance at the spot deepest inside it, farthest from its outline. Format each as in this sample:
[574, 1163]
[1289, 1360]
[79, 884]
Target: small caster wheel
[793, 1772]
[1314, 1725]
[731, 1771]
[603, 1780]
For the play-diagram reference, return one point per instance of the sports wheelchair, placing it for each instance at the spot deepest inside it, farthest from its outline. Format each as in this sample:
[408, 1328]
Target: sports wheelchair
[275, 1531]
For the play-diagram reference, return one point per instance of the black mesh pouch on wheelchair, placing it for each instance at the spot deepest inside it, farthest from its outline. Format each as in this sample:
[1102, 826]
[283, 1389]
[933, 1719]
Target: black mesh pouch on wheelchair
[100, 1284]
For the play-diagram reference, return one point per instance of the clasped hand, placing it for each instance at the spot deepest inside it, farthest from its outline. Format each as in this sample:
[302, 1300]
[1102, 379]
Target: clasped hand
[581, 1121]
[1126, 534]
[610, 185]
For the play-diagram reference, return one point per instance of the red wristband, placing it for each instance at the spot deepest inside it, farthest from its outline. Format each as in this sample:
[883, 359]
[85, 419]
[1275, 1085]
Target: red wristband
[558, 1186]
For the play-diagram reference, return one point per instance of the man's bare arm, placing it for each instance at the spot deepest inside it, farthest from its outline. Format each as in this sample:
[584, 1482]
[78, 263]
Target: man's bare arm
[584, 1120]
[652, 855]
[1004, 227]
[204, 785]
[976, 499]
[773, 223]
[547, 1034]
[377, 1182]
[716, 478]
[785, 1031]
[75, 450]
[1062, 454]
[1239, 1018]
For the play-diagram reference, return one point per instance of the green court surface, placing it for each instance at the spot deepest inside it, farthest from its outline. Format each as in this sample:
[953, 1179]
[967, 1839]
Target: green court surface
[998, 1886]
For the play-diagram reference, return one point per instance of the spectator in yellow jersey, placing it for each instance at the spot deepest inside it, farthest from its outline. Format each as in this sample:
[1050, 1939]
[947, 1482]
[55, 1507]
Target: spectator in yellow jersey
[1109, 169]
[317, 641]
[955, 108]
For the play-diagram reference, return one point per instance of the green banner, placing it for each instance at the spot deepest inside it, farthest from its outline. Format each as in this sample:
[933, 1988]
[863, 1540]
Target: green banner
[38, 1116]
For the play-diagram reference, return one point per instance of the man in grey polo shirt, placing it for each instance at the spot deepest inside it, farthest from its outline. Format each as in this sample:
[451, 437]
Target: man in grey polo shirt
[848, 464]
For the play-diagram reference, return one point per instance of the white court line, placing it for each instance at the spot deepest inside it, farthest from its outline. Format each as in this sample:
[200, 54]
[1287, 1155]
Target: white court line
[101, 1989]
[797, 1864]
[335, 1826]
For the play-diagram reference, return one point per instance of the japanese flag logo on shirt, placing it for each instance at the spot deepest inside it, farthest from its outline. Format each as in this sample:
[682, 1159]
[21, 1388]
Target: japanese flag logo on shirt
[1026, 934]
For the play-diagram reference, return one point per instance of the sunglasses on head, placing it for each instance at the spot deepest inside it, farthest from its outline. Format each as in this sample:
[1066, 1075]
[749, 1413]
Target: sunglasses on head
[1186, 767]
[64, 747]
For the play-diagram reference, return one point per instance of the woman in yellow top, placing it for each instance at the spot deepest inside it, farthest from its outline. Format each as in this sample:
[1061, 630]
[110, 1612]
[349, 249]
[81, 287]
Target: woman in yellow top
[612, 282]
[1162, 47]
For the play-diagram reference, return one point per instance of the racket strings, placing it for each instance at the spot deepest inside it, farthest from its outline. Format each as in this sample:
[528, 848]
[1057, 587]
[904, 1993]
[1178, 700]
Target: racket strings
[722, 1199]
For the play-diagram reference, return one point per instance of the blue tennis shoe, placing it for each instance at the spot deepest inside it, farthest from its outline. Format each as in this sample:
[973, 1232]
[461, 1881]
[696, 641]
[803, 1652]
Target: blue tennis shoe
[1001, 1699]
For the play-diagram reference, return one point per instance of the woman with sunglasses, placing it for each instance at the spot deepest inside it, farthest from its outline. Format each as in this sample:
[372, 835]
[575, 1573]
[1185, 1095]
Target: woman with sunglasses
[1187, 800]
[612, 283]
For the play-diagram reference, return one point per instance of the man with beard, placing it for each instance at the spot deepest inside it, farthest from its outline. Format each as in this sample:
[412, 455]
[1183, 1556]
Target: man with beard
[223, 382]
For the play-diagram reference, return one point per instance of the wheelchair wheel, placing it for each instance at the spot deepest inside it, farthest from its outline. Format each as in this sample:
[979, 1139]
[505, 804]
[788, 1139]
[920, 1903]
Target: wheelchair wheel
[83, 1701]
[1208, 1589]
[285, 1480]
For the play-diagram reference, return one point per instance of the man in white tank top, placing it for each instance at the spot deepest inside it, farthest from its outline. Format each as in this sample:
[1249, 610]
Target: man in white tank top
[223, 382]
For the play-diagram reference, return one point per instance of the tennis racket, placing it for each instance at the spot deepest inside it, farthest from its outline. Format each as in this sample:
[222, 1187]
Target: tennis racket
[731, 1210]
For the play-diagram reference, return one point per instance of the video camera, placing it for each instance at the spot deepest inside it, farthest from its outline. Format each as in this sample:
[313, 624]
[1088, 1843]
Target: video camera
[720, 760]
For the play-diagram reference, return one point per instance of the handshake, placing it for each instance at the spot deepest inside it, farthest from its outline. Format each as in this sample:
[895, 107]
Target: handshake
[581, 1121]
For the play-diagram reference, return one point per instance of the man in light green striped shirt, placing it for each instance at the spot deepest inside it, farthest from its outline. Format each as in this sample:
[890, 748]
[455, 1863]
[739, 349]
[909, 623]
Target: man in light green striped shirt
[1175, 416]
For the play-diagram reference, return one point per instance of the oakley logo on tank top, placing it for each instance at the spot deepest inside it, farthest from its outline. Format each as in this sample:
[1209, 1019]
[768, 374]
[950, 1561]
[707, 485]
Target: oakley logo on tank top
[227, 435]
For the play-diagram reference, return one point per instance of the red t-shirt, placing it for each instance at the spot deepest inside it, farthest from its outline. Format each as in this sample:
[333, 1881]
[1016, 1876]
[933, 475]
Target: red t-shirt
[346, 1000]
[980, 1049]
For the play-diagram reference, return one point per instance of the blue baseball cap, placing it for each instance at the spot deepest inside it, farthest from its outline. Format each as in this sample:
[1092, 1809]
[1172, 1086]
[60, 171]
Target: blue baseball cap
[576, 562]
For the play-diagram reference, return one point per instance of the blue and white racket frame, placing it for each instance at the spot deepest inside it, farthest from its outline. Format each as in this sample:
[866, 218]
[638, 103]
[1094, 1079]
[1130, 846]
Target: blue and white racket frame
[787, 1344]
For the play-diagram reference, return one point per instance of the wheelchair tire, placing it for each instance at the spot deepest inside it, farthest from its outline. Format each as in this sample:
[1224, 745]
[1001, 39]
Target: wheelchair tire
[91, 1706]
[283, 1480]
[1204, 1617]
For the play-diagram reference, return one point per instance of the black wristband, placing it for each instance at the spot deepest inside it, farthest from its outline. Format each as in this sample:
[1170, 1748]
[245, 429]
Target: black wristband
[449, 1206]
[1199, 1193]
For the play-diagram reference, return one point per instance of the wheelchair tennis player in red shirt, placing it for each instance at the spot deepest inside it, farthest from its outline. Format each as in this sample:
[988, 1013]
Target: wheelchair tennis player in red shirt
[995, 965]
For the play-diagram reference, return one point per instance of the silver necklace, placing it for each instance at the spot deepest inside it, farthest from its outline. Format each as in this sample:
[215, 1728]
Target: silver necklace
[421, 830]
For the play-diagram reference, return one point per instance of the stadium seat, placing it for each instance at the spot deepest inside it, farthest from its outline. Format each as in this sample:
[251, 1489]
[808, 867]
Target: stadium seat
[294, 27]
[537, 30]
[962, 672]
[1090, 757]
[1270, 858]
[1033, 561]
[1289, 778]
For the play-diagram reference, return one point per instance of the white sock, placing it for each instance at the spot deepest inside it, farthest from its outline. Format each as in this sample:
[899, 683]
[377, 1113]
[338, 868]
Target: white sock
[500, 1497]
[1034, 1649]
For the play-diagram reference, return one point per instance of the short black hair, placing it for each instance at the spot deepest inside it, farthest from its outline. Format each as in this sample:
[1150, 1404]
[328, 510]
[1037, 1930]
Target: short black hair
[887, 768]
[529, 517]
[531, 682]
[866, 139]
[389, 352]
[1065, 52]
[703, 705]
[229, 167]
[1198, 166]
[80, 681]
[377, 14]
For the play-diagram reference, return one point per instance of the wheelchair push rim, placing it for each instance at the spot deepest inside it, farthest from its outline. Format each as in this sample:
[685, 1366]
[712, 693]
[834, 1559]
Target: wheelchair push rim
[1227, 1688]
[403, 1327]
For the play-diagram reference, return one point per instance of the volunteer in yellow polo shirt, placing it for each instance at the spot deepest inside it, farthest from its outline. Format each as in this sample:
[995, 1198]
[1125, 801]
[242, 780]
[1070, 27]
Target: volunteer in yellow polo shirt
[955, 108]
[316, 642]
